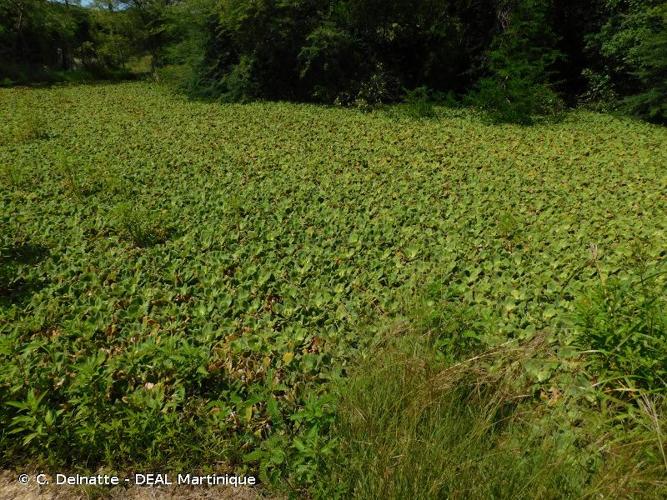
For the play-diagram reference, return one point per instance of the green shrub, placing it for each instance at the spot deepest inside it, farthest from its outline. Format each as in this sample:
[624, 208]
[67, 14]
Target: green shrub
[650, 62]
[517, 88]
[418, 103]
[381, 86]
[239, 84]
[515, 100]
[632, 45]
[600, 94]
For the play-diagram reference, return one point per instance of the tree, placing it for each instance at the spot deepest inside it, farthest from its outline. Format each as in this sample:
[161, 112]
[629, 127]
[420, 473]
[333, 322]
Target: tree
[633, 47]
[36, 32]
[520, 65]
[151, 26]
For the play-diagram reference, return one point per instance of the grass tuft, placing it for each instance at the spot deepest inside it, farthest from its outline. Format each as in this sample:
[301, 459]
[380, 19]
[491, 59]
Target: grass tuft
[142, 227]
[30, 128]
[412, 424]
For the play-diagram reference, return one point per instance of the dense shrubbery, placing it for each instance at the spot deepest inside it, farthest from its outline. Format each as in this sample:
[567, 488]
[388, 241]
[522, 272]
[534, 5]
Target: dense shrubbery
[47, 41]
[520, 64]
[350, 52]
[516, 59]
[634, 43]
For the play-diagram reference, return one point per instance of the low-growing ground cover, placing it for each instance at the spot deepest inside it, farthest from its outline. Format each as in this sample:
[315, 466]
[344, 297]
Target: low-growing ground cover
[182, 280]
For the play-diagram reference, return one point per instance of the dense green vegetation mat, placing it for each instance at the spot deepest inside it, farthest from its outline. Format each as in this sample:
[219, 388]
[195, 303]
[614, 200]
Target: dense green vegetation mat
[181, 279]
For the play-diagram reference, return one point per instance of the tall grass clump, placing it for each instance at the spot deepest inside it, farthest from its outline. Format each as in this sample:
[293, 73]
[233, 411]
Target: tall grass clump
[411, 426]
[621, 327]
[78, 180]
[623, 324]
[16, 175]
[30, 127]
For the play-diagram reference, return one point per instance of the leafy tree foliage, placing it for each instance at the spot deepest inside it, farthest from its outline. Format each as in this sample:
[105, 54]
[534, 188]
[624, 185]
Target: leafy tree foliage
[651, 67]
[37, 36]
[520, 64]
[35, 31]
[348, 50]
[632, 44]
[518, 59]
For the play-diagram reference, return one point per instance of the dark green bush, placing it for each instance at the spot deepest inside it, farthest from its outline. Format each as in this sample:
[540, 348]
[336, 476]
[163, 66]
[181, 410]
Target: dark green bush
[520, 63]
[356, 53]
[651, 67]
[600, 94]
[515, 100]
[418, 103]
[632, 52]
